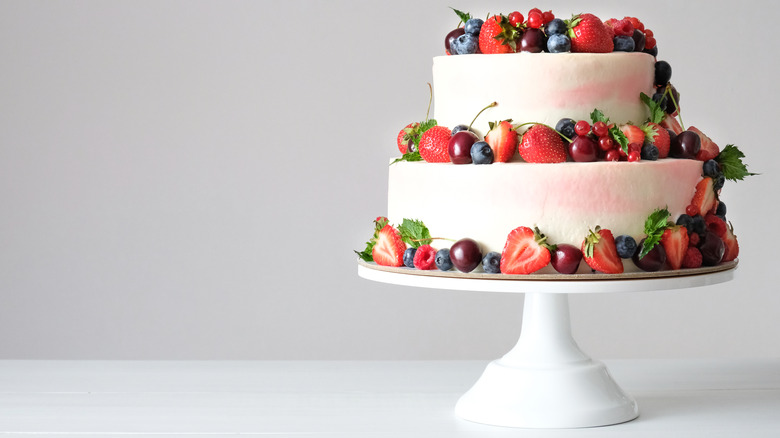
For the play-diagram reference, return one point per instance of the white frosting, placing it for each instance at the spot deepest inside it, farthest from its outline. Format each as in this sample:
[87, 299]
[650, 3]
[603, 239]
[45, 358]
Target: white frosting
[565, 200]
[540, 87]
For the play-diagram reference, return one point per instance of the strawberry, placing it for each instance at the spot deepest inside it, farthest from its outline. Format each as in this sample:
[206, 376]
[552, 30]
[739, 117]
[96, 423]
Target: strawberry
[589, 34]
[425, 258]
[502, 139]
[675, 243]
[406, 136]
[659, 136]
[600, 252]
[669, 122]
[542, 144]
[526, 251]
[692, 258]
[433, 145]
[633, 133]
[389, 248]
[497, 35]
[703, 198]
[709, 150]
[732, 247]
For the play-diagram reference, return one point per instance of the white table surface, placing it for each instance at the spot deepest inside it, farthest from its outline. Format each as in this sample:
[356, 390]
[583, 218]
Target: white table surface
[677, 398]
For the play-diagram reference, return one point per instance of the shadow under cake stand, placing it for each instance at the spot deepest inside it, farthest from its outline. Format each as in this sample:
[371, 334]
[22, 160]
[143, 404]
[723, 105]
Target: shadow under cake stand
[546, 380]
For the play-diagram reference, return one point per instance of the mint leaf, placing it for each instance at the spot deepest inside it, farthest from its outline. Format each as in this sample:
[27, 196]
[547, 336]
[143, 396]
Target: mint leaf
[657, 113]
[464, 16]
[414, 233]
[730, 160]
[366, 254]
[598, 116]
[655, 224]
[409, 156]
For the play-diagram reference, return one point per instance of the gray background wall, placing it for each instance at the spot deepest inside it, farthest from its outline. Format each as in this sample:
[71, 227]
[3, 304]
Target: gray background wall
[188, 179]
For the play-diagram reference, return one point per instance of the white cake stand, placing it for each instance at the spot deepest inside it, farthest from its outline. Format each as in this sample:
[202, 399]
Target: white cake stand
[546, 380]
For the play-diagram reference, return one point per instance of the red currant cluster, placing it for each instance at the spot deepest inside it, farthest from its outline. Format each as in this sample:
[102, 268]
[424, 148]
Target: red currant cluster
[536, 18]
[604, 141]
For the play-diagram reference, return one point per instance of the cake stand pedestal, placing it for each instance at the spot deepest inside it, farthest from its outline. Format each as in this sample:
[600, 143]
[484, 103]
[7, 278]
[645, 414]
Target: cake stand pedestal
[546, 380]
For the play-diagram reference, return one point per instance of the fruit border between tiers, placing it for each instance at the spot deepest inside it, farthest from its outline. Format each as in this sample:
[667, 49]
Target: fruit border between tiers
[556, 277]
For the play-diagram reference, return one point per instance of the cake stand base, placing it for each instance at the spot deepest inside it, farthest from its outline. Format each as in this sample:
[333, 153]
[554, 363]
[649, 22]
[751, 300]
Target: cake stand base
[546, 381]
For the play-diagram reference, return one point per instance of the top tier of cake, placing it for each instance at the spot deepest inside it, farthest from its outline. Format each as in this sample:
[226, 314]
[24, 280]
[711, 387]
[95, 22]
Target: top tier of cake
[541, 87]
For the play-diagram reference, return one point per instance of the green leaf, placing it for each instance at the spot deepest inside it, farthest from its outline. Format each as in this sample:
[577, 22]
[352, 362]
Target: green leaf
[657, 113]
[414, 233]
[730, 160]
[409, 156]
[655, 224]
[366, 254]
[464, 16]
[598, 116]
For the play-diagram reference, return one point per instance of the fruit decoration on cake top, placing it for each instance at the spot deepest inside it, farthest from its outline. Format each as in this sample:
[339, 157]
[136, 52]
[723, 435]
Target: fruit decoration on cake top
[699, 237]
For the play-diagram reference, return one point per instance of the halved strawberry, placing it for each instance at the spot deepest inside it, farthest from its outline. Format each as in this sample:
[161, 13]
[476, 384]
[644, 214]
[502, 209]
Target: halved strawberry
[497, 35]
[633, 133]
[675, 243]
[589, 34]
[600, 252]
[502, 139]
[406, 136]
[670, 122]
[703, 198]
[732, 246]
[709, 149]
[433, 145]
[526, 251]
[389, 248]
[659, 136]
[542, 144]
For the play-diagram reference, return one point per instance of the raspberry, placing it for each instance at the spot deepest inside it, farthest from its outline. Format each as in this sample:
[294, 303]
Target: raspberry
[694, 239]
[425, 258]
[716, 225]
[692, 258]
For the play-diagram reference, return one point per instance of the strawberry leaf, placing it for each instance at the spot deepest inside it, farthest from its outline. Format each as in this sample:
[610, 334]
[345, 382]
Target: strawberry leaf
[414, 233]
[366, 254]
[655, 225]
[657, 113]
[414, 134]
[730, 160]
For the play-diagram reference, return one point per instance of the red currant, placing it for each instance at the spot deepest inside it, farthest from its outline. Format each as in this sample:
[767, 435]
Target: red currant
[605, 143]
[691, 210]
[516, 19]
[612, 155]
[635, 147]
[649, 43]
[548, 16]
[648, 33]
[600, 129]
[634, 156]
[535, 20]
[582, 128]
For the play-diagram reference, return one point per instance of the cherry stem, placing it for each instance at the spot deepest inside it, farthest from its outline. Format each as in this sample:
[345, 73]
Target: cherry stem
[430, 99]
[676, 107]
[544, 124]
[480, 112]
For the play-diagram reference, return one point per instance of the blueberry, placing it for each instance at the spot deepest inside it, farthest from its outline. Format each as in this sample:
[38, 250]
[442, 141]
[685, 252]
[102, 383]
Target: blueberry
[686, 221]
[623, 43]
[663, 72]
[699, 226]
[566, 127]
[491, 263]
[718, 182]
[558, 43]
[660, 97]
[443, 261]
[459, 128]
[473, 26]
[481, 153]
[653, 51]
[626, 246]
[711, 168]
[409, 257]
[721, 210]
[466, 44]
[556, 27]
[649, 152]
